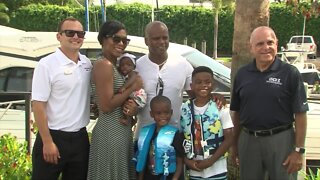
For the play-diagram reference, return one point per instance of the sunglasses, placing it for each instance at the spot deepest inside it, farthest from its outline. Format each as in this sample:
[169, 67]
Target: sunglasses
[118, 39]
[71, 33]
[160, 86]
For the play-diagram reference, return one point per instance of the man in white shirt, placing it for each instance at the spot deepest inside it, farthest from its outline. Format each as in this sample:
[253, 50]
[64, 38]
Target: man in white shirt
[162, 74]
[61, 100]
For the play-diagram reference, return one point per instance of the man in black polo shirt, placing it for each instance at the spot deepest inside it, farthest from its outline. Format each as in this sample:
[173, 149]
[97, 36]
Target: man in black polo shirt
[268, 97]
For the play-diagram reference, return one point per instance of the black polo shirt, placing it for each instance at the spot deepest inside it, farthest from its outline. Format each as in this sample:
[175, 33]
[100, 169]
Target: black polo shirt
[268, 99]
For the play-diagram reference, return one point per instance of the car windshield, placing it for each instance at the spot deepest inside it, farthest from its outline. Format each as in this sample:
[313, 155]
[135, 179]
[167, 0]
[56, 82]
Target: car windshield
[221, 72]
[299, 40]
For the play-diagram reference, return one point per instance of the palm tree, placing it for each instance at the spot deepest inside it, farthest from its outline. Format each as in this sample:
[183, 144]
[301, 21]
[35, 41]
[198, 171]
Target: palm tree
[216, 7]
[249, 14]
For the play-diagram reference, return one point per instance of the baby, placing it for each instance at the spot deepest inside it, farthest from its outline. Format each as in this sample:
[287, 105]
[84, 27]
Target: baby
[126, 65]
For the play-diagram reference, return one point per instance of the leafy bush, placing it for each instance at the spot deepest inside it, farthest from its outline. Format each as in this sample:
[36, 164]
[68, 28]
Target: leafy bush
[316, 88]
[15, 161]
[195, 23]
[311, 175]
[314, 176]
[4, 17]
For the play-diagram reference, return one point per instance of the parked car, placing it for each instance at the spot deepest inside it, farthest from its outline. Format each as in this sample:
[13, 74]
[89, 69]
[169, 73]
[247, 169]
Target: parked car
[303, 43]
[27, 47]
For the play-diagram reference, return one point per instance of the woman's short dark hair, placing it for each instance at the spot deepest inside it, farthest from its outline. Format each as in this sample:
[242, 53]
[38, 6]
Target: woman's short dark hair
[109, 28]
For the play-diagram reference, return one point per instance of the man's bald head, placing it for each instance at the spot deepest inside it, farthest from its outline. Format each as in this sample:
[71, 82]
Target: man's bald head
[260, 29]
[153, 24]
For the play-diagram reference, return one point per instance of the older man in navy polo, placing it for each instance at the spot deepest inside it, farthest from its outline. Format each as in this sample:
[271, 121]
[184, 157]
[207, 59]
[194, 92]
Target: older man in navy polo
[268, 107]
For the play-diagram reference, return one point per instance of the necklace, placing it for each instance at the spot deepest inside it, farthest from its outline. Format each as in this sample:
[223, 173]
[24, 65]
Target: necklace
[162, 63]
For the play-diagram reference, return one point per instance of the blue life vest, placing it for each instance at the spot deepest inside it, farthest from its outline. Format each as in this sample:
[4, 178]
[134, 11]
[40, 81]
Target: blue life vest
[165, 155]
[211, 126]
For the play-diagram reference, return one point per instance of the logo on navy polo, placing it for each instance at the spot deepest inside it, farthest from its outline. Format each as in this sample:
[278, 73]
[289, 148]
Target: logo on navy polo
[276, 81]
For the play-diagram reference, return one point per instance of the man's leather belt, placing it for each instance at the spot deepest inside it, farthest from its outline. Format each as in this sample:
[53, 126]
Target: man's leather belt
[268, 132]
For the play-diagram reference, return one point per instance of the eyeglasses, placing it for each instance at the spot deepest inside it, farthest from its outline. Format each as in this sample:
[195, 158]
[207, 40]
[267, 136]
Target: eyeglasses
[71, 33]
[118, 39]
[160, 85]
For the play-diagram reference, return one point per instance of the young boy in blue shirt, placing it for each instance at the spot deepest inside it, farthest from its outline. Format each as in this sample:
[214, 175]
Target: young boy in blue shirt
[160, 153]
[207, 130]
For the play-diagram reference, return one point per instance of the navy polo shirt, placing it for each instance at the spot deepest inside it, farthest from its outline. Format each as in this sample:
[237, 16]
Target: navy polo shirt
[268, 99]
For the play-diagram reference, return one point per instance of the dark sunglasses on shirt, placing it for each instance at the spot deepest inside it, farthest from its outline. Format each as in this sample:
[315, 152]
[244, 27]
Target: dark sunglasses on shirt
[71, 33]
[117, 39]
[159, 87]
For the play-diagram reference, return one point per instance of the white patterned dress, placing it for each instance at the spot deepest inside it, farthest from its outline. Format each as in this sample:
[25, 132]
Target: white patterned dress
[111, 147]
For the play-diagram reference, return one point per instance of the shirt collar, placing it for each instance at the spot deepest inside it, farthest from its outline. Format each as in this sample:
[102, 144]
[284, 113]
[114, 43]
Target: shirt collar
[64, 60]
[274, 66]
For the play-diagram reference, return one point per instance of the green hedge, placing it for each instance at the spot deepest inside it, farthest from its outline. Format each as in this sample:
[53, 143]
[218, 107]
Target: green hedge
[195, 23]
[286, 24]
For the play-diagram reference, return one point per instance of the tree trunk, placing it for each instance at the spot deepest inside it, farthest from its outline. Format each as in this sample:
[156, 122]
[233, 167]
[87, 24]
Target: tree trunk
[215, 34]
[249, 14]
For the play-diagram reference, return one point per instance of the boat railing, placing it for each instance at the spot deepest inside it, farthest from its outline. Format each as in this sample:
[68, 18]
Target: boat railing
[26, 104]
[309, 66]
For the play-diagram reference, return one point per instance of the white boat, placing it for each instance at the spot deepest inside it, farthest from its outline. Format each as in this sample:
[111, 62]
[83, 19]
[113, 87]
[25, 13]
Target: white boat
[310, 73]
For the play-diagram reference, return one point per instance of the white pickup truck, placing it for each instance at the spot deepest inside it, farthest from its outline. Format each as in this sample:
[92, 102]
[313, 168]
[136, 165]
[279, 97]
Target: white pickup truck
[303, 43]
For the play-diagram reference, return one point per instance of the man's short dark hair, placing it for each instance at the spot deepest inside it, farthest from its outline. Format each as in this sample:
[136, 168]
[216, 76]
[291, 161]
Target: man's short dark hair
[158, 99]
[64, 20]
[200, 69]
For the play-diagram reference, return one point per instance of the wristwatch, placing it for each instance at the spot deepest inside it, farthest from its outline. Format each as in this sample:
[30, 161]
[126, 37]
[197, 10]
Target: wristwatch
[300, 150]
